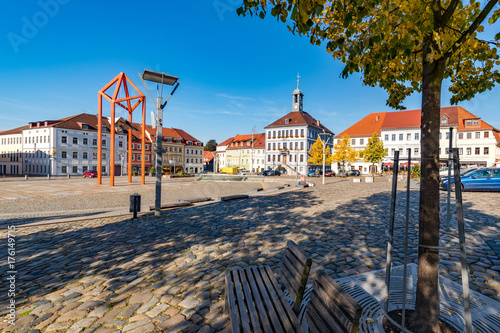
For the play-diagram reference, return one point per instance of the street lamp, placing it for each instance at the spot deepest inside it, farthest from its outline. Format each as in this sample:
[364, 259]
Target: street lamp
[172, 161]
[160, 79]
[324, 142]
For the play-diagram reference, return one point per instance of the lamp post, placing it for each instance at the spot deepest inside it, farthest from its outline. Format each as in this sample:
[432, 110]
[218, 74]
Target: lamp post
[159, 78]
[172, 161]
[324, 142]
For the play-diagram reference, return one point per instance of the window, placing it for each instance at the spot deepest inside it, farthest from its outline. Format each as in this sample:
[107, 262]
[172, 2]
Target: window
[103, 156]
[103, 168]
[63, 154]
[180, 150]
[468, 122]
[478, 135]
[353, 142]
[417, 136]
[486, 150]
[138, 157]
[401, 137]
[94, 156]
[477, 151]
[386, 137]
[85, 141]
[94, 142]
[75, 169]
[84, 168]
[408, 136]
[133, 157]
[120, 143]
[104, 143]
[440, 135]
[476, 121]
[147, 157]
[447, 151]
[461, 151]
[279, 156]
[469, 135]
[393, 150]
[296, 132]
[486, 135]
[361, 141]
[269, 158]
[64, 169]
[444, 120]
[483, 174]
[75, 140]
[85, 155]
[447, 135]
[460, 135]
[416, 151]
[393, 137]
[302, 145]
[302, 132]
[147, 147]
[468, 151]
[138, 146]
[301, 158]
[64, 139]
[75, 154]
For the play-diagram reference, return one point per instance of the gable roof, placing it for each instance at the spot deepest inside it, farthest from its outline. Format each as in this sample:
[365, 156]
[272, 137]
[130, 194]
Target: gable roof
[225, 142]
[208, 156]
[299, 118]
[185, 135]
[366, 126]
[401, 119]
[17, 130]
[246, 138]
[260, 142]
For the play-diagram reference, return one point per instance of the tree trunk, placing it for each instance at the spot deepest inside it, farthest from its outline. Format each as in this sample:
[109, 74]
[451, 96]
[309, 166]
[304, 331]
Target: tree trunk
[427, 301]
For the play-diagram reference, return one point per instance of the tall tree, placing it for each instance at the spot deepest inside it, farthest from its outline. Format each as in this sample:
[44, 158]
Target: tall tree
[316, 154]
[343, 152]
[405, 47]
[374, 151]
[211, 145]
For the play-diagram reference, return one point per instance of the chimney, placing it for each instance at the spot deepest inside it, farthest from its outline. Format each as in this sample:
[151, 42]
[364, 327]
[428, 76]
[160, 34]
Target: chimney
[377, 118]
[317, 122]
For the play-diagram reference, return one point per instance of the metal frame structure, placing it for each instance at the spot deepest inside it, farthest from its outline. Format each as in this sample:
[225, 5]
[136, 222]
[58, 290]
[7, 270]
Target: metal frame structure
[121, 80]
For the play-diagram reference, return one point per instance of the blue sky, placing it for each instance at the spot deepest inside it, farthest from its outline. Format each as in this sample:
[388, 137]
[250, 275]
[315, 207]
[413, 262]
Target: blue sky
[235, 72]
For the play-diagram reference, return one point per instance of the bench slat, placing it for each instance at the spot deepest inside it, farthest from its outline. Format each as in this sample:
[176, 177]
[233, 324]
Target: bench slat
[322, 316]
[267, 301]
[291, 315]
[259, 304]
[293, 285]
[254, 318]
[297, 252]
[343, 299]
[241, 303]
[233, 314]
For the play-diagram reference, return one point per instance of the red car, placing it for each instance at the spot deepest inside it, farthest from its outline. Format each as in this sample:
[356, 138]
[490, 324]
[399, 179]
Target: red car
[329, 174]
[90, 173]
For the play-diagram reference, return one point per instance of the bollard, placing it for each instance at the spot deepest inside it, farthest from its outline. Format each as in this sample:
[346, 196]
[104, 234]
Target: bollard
[69, 176]
[48, 176]
[135, 204]
[25, 177]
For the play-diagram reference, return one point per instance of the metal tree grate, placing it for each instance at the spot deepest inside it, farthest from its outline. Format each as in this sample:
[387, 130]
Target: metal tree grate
[368, 290]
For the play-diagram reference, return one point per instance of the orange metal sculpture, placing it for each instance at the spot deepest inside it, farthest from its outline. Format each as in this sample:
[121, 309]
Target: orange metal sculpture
[120, 80]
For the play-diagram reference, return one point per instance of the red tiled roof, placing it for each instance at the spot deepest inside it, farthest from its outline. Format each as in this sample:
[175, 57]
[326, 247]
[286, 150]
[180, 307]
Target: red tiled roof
[260, 142]
[74, 122]
[185, 135]
[299, 118]
[464, 115]
[245, 138]
[226, 142]
[208, 156]
[366, 126]
[401, 119]
[496, 133]
[15, 130]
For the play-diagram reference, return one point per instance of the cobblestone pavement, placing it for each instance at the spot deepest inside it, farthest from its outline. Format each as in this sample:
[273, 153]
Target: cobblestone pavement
[166, 273]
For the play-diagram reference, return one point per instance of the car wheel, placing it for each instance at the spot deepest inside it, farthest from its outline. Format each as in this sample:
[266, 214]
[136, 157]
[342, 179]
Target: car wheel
[452, 187]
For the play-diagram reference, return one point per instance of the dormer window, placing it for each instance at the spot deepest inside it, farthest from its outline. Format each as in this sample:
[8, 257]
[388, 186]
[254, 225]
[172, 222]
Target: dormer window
[287, 121]
[468, 122]
[476, 122]
[444, 120]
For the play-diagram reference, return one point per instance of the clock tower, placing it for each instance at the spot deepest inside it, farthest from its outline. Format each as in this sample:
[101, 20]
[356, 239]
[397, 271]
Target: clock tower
[298, 98]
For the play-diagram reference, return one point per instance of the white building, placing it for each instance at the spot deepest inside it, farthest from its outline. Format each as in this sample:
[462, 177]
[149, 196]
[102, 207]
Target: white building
[68, 146]
[477, 141]
[11, 148]
[220, 157]
[289, 138]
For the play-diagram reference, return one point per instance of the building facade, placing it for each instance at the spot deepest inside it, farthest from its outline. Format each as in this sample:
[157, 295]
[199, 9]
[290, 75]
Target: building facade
[289, 138]
[220, 157]
[477, 141]
[11, 152]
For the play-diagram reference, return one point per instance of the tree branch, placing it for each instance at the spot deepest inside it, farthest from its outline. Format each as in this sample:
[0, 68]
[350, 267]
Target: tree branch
[445, 18]
[479, 19]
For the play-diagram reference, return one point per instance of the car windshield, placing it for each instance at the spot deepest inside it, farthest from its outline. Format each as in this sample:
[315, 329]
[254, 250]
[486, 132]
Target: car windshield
[468, 172]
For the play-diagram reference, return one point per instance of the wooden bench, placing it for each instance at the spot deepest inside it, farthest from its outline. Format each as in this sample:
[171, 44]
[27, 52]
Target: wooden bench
[330, 308]
[255, 300]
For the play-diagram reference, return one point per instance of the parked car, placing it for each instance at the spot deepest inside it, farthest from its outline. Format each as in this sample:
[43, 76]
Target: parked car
[329, 173]
[274, 173]
[90, 173]
[463, 173]
[353, 173]
[264, 173]
[487, 179]
[342, 173]
[314, 173]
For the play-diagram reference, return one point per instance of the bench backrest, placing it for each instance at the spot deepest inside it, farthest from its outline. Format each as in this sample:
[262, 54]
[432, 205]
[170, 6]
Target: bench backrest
[330, 308]
[294, 272]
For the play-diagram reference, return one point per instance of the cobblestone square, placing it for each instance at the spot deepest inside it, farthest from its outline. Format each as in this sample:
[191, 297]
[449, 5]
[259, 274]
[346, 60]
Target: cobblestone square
[167, 273]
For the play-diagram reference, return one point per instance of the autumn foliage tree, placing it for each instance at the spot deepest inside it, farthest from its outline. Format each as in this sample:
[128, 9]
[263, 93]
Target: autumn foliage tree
[406, 47]
[374, 151]
[343, 152]
[316, 154]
